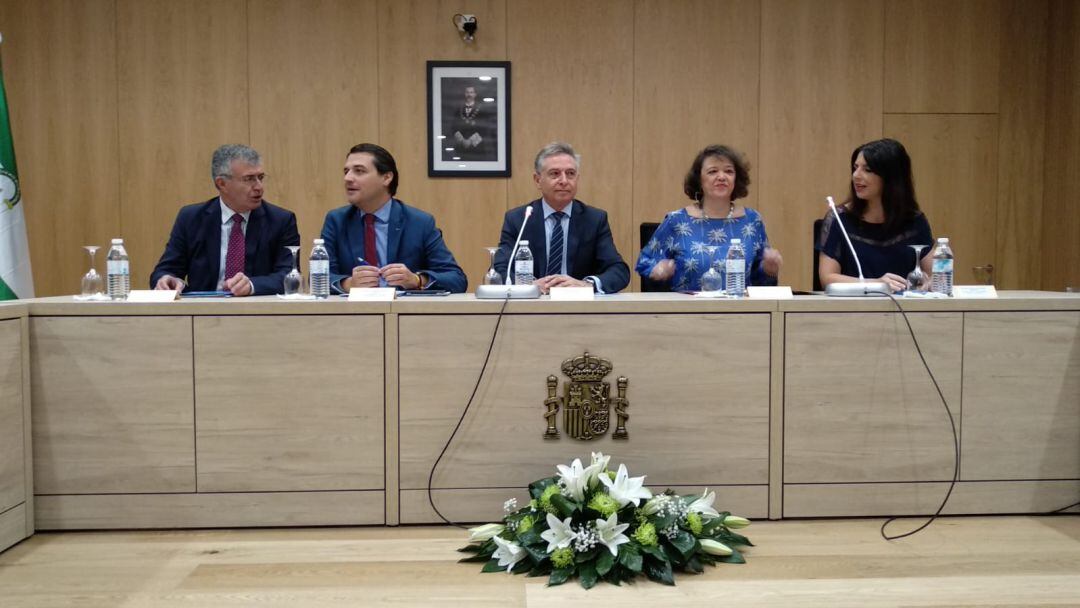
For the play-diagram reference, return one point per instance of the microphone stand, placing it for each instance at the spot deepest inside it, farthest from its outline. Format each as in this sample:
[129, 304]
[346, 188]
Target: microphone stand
[508, 291]
[863, 287]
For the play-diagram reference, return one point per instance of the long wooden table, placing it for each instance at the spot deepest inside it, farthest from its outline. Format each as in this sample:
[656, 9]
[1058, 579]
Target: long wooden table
[263, 412]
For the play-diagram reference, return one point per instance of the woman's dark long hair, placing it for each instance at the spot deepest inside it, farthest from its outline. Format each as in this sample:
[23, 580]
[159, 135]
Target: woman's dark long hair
[888, 159]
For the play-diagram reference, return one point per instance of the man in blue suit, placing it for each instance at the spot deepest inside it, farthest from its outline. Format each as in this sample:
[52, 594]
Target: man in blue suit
[571, 242]
[379, 241]
[234, 242]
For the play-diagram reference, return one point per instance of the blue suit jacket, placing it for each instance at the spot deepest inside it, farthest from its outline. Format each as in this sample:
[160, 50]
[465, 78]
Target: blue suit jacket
[194, 248]
[590, 250]
[412, 240]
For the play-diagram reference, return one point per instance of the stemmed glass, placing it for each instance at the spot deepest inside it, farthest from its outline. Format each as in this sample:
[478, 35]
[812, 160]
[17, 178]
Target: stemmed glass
[92, 283]
[917, 278]
[492, 277]
[712, 280]
[294, 279]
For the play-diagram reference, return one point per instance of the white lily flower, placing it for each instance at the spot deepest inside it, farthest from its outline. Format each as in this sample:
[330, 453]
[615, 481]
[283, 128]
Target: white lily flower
[703, 505]
[626, 489]
[735, 522]
[576, 477]
[508, 553]
[600, 462]
[485, 532]
[652, 506]
[610, 533]
[713, 547]
[559, 533]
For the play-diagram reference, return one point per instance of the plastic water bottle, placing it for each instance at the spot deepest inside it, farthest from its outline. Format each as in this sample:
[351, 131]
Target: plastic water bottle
[735, 281]
[523, 265]
[941, 277]
[118, 271]
[319, 271]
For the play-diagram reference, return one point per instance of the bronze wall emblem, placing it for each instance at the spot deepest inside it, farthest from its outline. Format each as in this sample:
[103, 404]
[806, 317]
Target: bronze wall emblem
[587, 401]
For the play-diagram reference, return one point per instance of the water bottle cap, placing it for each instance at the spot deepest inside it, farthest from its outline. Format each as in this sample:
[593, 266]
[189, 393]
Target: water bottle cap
[318, 241]
[524, 243]
[118, 241]
[943, 239]
[736, 242]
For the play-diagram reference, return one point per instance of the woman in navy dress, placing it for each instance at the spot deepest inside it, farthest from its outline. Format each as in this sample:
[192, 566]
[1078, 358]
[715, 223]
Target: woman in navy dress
[882, 218]
[698, 235]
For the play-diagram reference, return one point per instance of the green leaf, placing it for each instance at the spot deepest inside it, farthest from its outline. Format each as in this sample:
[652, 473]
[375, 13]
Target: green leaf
[474, 548]
[587, 575]
[493, 566]
[735, 558]
[523, 566]
[694, 565]
[541, 569]
[655, 552]
[587, 556]
[529, 537]
[604, 562]
[537, 487]
[536, 552]
[474, 558]
[630, 559]
[684, 543]
[560, 576]
[564, 505]
[659, 571]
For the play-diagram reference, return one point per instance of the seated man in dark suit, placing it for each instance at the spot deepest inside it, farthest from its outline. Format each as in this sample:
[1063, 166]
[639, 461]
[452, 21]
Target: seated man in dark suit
[234, 242]
[377, 240]
[584, 252]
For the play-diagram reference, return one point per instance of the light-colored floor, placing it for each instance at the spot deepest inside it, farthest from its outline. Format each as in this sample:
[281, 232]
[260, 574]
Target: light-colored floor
[985, 561]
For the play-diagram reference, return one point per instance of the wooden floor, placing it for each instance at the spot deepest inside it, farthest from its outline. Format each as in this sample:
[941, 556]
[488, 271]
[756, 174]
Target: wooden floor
[991, 561]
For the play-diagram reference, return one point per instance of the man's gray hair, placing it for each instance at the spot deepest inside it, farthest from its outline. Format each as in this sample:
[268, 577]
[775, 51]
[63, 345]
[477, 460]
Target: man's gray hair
[556, 148]
[221, 165]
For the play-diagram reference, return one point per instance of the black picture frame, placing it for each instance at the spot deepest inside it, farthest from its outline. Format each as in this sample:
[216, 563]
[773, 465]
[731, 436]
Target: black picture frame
[468, 137]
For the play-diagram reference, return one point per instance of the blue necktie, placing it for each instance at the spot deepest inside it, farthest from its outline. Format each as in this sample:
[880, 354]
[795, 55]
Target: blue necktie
[556, 246]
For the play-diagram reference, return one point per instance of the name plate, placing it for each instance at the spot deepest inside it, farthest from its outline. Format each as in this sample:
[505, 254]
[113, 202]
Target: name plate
[372, 294]
[572, 294]
[974, 291]
[782, 292]
[151, 295]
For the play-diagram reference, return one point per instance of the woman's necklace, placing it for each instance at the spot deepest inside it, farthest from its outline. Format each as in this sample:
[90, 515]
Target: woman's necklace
[730, 212]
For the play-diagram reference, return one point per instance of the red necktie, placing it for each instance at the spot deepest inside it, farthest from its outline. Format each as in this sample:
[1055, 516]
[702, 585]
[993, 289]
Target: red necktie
[371, 252]
[234, 256]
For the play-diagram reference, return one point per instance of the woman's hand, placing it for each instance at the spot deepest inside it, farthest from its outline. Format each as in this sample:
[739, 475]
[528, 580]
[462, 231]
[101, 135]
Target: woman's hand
[664, 270]
[894, 282]
[771, 261]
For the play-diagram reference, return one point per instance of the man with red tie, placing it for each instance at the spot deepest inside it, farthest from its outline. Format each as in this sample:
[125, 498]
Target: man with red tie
[235, 242]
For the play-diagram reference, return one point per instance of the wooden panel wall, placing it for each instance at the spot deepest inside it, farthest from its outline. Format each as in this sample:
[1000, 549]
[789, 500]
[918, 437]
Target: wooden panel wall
[139, 92]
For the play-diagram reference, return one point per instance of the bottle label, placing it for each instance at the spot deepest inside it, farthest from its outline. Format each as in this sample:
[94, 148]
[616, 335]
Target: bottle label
[734, 265]
[319, 267]
[523, 267]
[116, 267]
[942, 266]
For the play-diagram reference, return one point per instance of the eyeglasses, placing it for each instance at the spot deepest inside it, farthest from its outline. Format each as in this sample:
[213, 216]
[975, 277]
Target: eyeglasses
[249, 179]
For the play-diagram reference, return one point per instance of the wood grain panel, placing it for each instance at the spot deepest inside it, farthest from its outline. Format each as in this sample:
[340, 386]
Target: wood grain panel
[820, 98]
[183, 72]
[245, 509]
[574, 81]
[60, 79]
[942, 57]
[468, 210]
[289, 403]
[1021, 145]
[1061, 211]
[312, 73]
[12, 452]
[12, 526]
[692, 88]
[684, 418]
[112, 404]
[484, 505]
[955, 161]
[1021, 395]
[863, 408]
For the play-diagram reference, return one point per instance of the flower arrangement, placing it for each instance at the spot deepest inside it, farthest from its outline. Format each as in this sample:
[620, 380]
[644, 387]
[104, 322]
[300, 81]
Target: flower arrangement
[598, 524]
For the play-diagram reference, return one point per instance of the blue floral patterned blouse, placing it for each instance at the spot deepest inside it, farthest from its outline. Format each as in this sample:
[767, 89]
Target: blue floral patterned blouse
[693, 242]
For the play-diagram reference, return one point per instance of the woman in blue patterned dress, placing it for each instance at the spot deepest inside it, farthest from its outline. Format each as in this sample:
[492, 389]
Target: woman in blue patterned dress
[692, 238]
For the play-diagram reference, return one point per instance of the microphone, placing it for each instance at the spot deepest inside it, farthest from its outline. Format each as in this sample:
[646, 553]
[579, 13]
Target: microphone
[863, 287]
[508, 291]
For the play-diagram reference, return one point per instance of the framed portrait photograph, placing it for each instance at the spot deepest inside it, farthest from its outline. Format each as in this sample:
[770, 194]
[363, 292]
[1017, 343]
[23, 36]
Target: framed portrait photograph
[468, 118]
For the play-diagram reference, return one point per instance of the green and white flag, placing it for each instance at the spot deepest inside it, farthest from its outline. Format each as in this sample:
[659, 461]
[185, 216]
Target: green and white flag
[15, 278]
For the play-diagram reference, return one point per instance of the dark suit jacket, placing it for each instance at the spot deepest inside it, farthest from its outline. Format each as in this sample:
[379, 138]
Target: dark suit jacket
[412, 240]
[194, 248]
[590, 250]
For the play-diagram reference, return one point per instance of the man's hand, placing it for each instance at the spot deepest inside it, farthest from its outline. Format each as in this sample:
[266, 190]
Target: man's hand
[170, 283]
[397, 275]
[240, 285]
[362, 276]
[558, 280]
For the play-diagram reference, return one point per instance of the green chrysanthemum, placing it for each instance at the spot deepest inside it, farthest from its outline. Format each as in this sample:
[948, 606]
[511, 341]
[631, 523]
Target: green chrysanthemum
[562, 558]
[603, 504]
[646, 535]
[534, 505]
[545, 499]
[693, 522]
[525, 524]
[611, 474]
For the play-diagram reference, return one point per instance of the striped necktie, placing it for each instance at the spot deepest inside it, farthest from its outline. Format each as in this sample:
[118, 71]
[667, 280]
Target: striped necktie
[556, 246]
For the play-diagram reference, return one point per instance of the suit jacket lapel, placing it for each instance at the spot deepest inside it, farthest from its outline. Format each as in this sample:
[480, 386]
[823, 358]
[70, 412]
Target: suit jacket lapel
[354, 238]
[537, 237]
[212, 234]
[253, 239]
[393, 231]
[577, 229]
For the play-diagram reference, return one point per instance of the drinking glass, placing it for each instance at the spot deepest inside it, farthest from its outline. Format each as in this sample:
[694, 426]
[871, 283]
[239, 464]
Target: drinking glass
[712, 280]
[294, 280]
[92, 283]
[492, 277]
[917, 279]
[984, 275]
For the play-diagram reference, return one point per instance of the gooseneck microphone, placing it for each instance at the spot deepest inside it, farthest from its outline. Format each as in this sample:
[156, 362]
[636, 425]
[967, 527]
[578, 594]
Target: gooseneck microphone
[863, 287]
[508, 291]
